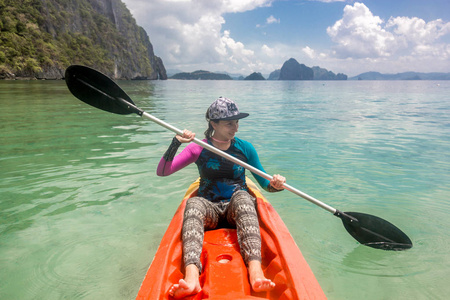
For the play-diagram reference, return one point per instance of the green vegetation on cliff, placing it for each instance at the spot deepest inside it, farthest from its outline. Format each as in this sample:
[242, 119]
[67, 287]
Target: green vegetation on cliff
[201, 75]
[255, 76]
[40, 38]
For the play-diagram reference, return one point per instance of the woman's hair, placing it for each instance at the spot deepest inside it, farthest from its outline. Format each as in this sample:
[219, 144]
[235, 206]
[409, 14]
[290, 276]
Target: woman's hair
[210, 131]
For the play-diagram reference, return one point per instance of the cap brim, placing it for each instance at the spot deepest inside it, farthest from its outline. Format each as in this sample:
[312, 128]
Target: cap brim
[236, 117]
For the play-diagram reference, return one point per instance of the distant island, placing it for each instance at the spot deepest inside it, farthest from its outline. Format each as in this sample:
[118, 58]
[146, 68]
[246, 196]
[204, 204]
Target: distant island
[291, 70]
[201, 75]
[255, 76]
[294, 71]
[401, 76]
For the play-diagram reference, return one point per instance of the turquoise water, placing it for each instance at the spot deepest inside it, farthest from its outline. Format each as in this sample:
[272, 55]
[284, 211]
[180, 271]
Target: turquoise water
[82, 211]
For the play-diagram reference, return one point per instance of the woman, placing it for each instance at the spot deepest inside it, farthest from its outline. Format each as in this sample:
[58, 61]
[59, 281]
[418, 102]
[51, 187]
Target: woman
[223, 196]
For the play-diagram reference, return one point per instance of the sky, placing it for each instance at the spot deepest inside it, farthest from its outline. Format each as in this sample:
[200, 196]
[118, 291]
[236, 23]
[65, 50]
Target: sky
[343, 36]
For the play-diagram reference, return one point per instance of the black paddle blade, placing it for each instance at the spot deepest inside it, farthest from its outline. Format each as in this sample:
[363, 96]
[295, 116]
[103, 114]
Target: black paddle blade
[97, 89]
[374, 232]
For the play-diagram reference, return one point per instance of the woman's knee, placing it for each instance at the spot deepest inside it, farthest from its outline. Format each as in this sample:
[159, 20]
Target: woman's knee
[242, 206]
[195, 206]
[200, 210]
[242, 197]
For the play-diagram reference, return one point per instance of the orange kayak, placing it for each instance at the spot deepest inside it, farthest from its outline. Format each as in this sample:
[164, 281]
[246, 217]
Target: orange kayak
[224, 274]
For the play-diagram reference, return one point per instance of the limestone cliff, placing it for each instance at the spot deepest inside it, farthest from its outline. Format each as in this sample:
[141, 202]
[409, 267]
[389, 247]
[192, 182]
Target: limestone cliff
[292, 70]
[41, 38]
[255, 76]
[275, 75]
[324, 74]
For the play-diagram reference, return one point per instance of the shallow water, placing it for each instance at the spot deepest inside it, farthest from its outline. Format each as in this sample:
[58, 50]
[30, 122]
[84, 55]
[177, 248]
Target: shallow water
[82, 211]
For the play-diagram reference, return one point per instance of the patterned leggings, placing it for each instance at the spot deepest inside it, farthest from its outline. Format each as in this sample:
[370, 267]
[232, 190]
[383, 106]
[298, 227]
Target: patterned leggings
[201, 214]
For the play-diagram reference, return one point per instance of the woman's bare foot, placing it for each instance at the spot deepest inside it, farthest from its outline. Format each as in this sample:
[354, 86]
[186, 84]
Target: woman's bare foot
[183, 289]
[190, 285]
[257, 279]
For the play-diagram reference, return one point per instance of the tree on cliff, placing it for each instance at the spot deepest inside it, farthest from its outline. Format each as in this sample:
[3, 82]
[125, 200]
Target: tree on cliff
[255, 76]
[201, 75]
[40, 38]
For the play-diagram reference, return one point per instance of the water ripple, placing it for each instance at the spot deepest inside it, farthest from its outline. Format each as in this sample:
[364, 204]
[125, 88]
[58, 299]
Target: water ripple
[82, 212]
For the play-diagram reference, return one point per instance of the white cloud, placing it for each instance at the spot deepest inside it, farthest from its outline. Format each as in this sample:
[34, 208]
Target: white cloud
[240, 5]
[361, 35]
[309, 52]
[268, 51]
[188, 34]
[417, 30]
[272, 20]
[234, 51]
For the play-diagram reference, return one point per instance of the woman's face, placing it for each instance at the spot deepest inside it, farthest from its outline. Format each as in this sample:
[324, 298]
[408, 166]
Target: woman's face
[225, 130]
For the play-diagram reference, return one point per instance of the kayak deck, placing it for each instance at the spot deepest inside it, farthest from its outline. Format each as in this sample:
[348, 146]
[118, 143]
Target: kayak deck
[224, 274]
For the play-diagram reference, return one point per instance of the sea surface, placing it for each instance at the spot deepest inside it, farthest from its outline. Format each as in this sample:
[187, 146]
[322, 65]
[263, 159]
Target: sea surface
[82, 211]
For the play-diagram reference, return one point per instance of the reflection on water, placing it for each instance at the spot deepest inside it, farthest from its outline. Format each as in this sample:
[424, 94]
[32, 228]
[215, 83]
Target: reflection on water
[82, 211]
[51, 163]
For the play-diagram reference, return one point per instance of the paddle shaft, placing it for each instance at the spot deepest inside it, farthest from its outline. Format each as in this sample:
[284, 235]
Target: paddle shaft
[235, 160]
[367, 236]
[98, 90]
[132, 108]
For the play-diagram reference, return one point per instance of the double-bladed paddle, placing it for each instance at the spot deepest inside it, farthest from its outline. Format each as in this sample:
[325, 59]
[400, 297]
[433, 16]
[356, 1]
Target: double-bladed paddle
[98, 90]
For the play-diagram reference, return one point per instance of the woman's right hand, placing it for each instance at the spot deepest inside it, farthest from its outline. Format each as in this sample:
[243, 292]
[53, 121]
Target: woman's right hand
[187, 136]
[277, 182]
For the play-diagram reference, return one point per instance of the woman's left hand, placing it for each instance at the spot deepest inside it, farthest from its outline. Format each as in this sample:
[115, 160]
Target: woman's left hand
[278, 181]
[187, 136]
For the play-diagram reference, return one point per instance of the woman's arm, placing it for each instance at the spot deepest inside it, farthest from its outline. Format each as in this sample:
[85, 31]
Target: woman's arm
[170, 163]
[276, 184]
